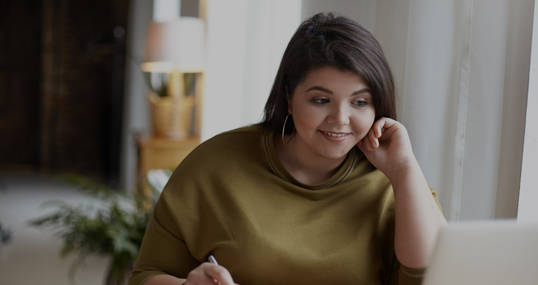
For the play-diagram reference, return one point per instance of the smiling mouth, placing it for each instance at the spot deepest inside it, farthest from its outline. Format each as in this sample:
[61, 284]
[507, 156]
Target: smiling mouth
[335, 135]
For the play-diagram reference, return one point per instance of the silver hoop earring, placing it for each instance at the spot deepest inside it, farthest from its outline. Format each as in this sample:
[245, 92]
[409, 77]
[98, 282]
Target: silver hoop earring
[283, 130]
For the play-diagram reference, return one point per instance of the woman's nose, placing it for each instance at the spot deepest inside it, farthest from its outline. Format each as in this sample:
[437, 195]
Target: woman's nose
[339, 115]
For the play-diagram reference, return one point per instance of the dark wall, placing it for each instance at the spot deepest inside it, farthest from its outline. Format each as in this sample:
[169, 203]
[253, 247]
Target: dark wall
[71, 107]
[20, 77]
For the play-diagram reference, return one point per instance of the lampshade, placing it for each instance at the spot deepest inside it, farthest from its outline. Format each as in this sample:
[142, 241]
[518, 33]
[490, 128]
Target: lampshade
[178, 44]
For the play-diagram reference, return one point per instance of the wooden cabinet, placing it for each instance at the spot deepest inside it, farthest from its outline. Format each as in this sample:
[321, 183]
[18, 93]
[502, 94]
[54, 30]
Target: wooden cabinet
[160, 153]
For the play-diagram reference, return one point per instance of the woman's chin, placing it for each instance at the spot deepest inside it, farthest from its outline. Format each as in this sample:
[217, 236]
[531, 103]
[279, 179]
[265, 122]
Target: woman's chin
[337, 154]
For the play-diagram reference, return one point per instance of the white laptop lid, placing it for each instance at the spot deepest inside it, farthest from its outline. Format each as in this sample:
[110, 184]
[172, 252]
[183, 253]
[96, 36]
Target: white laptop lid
[494, 252]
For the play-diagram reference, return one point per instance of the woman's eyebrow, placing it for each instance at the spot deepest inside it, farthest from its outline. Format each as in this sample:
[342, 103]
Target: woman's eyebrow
[319, 88]
[363, 90]
[323, 89]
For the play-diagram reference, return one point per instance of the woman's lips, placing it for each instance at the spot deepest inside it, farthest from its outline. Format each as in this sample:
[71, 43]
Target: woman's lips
[334, 136]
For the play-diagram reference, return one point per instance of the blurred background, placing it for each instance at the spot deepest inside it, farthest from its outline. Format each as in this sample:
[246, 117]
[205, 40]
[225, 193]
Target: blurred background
[74, 97]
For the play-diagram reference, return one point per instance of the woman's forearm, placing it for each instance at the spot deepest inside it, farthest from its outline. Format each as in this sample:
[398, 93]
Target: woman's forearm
[418, 218]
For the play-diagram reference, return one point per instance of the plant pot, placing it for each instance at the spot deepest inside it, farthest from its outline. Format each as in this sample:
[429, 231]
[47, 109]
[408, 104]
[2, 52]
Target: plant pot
[167, 116]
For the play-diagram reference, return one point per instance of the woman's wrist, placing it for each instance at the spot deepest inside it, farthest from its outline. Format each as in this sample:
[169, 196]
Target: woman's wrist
[403, 170]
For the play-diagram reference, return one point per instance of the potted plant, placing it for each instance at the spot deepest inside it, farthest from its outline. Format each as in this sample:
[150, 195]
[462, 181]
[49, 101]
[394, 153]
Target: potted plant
[112, 225]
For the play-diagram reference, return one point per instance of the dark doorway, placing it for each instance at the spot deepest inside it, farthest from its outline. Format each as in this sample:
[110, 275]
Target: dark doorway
[61, 86]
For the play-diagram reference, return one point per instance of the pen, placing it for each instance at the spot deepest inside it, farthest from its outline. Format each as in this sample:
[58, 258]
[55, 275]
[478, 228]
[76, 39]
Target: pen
[212, 259]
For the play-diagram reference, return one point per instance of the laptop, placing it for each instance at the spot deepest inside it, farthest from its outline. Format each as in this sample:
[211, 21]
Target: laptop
[488, 252]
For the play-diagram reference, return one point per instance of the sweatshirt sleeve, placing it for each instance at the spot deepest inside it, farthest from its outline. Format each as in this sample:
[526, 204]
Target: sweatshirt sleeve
[163, 249]
[409, 276]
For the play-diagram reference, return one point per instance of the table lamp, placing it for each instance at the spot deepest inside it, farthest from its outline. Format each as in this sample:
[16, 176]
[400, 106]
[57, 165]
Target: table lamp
[173, 49]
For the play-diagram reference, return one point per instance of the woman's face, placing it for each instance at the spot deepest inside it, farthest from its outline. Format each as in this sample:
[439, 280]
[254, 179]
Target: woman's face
[332, 111]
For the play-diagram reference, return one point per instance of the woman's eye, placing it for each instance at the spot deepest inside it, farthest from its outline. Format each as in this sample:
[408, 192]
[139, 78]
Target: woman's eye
[320, 100]
[360, 103]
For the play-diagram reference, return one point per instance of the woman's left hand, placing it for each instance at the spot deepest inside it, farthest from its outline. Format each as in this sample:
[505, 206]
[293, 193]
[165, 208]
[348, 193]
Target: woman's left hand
[418, 219]
[388, 147]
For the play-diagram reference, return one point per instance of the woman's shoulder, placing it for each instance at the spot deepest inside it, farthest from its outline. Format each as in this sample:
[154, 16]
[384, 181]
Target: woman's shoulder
[216, 160]
[231, 146]
[250, 129]
[237, 135]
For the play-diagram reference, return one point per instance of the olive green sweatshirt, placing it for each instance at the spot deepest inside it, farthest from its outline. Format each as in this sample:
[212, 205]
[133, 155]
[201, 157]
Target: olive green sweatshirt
[231, 197]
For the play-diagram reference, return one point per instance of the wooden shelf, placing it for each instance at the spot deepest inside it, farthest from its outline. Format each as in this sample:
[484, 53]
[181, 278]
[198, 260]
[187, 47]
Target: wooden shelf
[160, 153]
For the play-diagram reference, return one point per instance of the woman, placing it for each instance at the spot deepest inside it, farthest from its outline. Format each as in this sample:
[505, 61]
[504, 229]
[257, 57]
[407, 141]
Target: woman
[326, 190]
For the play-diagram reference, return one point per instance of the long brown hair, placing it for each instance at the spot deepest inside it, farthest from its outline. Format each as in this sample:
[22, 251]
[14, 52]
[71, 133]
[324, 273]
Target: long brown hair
[330, 40]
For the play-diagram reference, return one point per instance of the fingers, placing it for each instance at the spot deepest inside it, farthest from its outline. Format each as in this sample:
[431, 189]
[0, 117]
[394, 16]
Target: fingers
[371, 140]
[209, 274]
[375, 133]
[220, 274]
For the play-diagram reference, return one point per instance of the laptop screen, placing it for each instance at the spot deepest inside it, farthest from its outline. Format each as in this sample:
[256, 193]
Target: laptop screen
[486, 252]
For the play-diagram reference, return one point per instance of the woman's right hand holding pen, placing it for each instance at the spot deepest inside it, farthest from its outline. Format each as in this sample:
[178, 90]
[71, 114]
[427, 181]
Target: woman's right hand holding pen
[207, 273]
[210, 273]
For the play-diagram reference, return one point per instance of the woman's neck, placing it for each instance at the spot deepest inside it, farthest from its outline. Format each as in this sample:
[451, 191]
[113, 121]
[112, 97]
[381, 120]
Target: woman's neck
[303, 165]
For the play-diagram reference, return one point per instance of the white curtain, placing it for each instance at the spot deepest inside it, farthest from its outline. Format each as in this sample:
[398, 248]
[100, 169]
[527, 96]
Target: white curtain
[461, 69]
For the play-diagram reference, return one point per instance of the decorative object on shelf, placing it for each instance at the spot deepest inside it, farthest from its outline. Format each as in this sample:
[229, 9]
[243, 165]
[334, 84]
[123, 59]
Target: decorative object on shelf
[174, 54]
[157, 179]
[111, 225]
